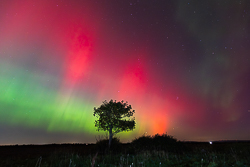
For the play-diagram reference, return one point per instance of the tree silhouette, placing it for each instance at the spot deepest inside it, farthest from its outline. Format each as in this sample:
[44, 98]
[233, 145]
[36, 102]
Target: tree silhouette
[114, 117]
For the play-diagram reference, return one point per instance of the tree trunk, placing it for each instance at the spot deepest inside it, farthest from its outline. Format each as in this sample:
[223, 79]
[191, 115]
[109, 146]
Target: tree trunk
[110, 134]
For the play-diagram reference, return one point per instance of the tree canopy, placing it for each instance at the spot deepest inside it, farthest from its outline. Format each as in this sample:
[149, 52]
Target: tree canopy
[114, 117]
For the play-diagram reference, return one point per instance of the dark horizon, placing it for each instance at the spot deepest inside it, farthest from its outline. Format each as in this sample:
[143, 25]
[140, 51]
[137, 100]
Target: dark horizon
[183, 141]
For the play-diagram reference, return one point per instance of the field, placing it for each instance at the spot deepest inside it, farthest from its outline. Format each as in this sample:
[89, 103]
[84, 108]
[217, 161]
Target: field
[179, 154]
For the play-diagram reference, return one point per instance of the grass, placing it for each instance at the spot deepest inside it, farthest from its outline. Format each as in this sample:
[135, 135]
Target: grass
[146, 158]
[155, 152]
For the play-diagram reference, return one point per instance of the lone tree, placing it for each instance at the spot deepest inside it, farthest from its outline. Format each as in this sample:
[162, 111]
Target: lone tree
[113, 117]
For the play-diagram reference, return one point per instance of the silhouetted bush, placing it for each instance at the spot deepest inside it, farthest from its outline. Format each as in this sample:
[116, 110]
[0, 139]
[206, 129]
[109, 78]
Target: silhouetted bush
[103, 145]
[142, 143]
[167, 143]
[157, 142]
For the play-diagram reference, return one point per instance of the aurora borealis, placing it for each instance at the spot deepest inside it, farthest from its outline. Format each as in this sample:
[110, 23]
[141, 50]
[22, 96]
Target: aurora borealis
[184, 66]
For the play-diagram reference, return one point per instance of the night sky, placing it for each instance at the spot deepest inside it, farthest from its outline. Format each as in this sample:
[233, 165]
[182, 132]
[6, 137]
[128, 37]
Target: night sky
[183, 66]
